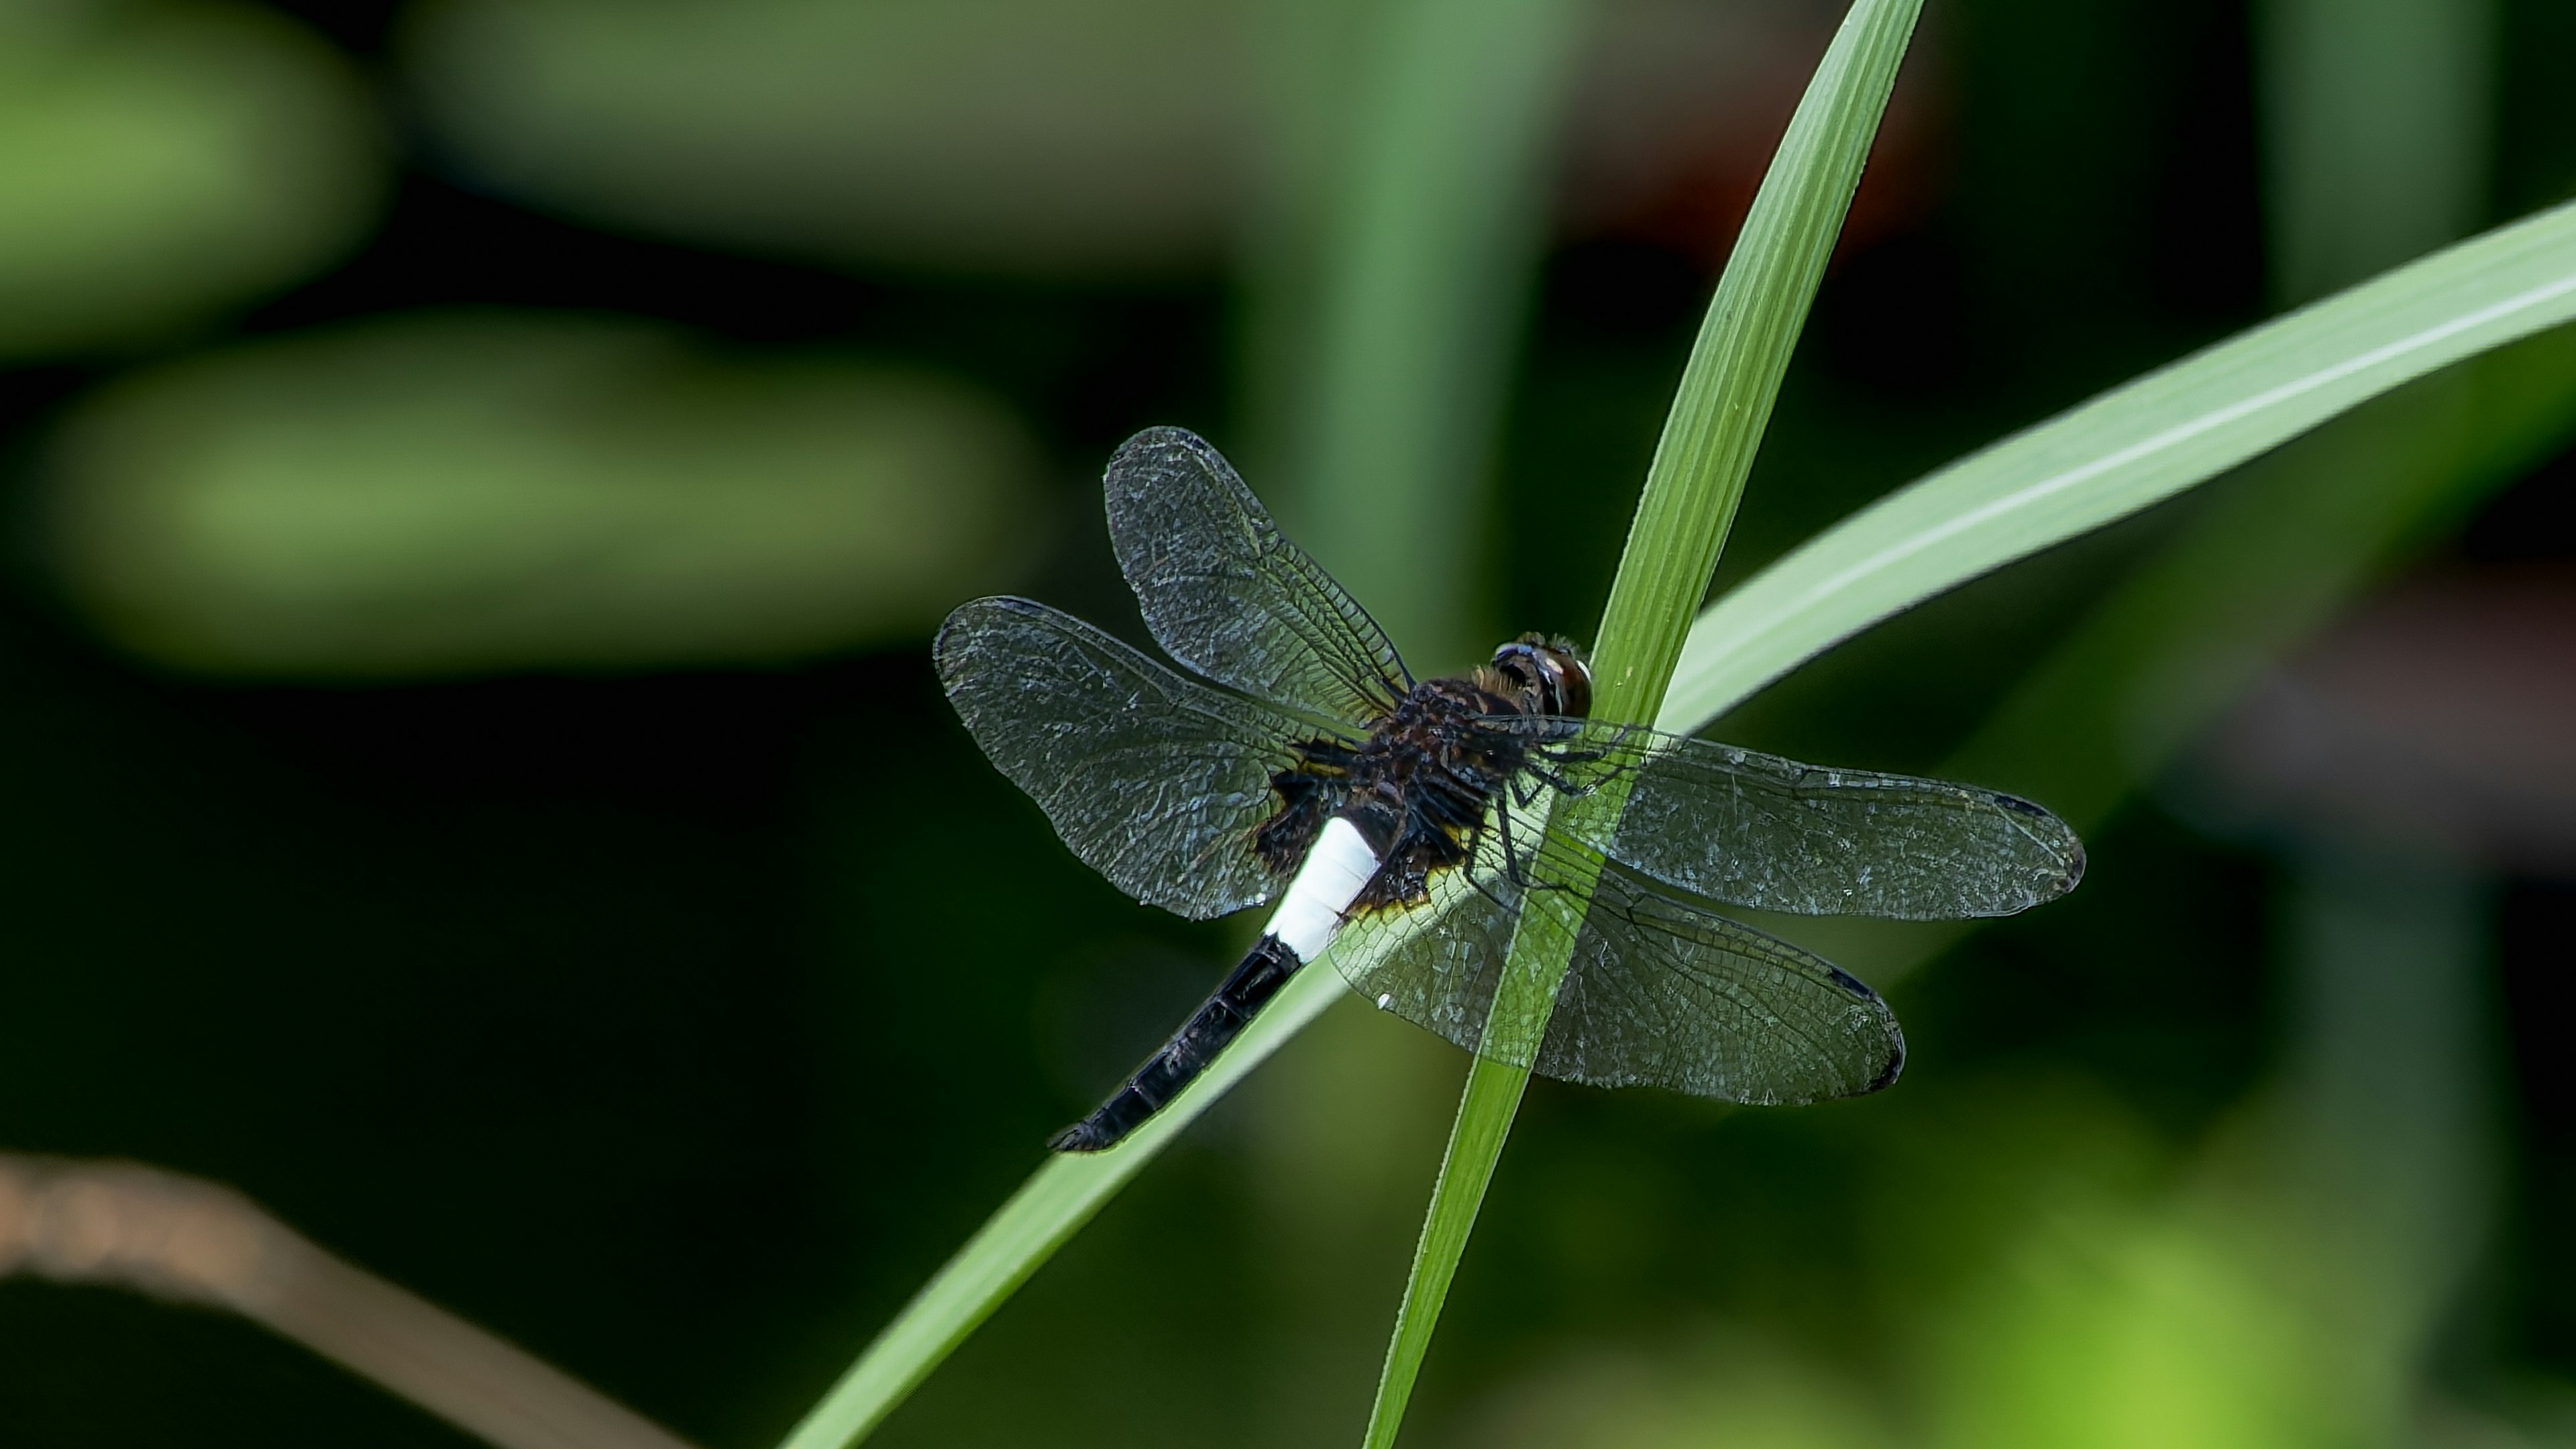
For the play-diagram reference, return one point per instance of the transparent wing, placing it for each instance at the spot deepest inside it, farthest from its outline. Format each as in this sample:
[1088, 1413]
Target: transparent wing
[1225, 594]
[1660, 991]
[1756, 830]
[1666, 993]
[1154, 780]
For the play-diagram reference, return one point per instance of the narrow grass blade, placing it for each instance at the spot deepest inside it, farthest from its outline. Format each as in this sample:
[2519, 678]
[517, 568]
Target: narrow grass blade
[1047, 1211]
[2132, 447]
[1027, 1229]
[1692, 489]
[2300, 531]
[1727, 389]
[2266, 565]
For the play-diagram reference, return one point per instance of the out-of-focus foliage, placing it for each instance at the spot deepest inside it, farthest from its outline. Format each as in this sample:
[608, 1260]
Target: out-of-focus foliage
[1117, 138]
[2380, 122]
[160, 163]
[455, 494]
[2129, 1331]
[1707, 1387]
[960, 134]
[1387, 337]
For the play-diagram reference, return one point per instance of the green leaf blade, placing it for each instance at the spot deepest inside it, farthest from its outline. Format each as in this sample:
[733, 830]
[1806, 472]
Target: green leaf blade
[1693, 488]
[2125, 451]
[1027, 1229]
[1724, 400]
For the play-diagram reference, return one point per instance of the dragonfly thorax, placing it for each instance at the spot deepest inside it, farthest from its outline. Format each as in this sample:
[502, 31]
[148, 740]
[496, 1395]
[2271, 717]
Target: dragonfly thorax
[1421, 785]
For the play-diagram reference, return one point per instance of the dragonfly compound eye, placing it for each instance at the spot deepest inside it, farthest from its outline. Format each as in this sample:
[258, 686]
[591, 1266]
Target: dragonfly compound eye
[1571, 681]
[1550, 672]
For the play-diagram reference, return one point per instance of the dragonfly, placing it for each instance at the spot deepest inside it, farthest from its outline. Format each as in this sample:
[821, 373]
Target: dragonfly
[1298, 761]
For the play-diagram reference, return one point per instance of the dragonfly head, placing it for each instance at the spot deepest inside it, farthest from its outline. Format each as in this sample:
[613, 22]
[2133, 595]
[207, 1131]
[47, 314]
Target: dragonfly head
[1547, 676]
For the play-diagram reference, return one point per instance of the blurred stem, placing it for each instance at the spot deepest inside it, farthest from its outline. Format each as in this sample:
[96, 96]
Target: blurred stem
[1692, 489]
[1410, 143]
[1414, 159]
[2386, 1144]
[124, 1225]
[2377, 120]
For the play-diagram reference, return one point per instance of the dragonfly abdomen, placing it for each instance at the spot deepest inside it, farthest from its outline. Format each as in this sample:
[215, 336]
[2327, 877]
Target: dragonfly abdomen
[1340, 864]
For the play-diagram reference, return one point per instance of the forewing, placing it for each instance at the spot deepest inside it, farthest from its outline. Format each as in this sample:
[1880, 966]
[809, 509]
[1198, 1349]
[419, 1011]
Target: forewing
[1750, 829]
[1225, 594]
[1154, 780]
[1658, 991]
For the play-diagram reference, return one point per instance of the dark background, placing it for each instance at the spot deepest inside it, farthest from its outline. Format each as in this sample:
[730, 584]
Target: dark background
[677, 1023]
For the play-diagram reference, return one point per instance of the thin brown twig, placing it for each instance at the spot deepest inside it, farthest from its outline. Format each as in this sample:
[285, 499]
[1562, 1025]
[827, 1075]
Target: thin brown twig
[121, 1224]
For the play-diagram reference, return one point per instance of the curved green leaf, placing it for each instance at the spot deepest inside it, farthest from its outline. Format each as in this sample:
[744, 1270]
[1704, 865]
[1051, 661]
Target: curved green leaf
[2132, 447]
[1027, 1229]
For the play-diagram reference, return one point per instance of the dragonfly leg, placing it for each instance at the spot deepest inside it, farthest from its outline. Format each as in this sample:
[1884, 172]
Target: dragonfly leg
[1555, 781]
[1512, 866]
[1568, 755]
[1476, 878]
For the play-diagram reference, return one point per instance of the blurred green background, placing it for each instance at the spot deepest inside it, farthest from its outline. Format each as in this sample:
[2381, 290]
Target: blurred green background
[482, 477]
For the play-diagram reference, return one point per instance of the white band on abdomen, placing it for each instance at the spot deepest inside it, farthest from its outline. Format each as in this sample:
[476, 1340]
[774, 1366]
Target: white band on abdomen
[1330, 880]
